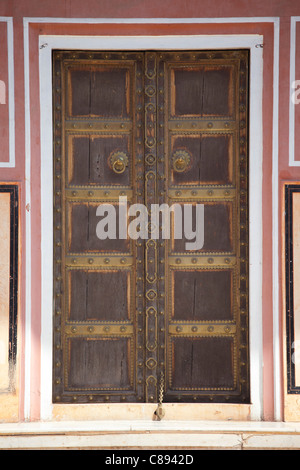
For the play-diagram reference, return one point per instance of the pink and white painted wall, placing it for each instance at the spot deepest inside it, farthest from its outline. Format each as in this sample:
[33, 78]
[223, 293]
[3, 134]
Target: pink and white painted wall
[28, 32]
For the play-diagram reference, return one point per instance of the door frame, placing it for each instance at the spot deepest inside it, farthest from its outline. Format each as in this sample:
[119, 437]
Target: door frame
[195, 42]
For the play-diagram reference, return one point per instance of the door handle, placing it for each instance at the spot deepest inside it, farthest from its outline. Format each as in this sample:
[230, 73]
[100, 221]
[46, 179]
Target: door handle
[181, 160]
[119, 162]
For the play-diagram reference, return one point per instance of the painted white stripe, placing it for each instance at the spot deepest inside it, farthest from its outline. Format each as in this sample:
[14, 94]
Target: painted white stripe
[11, 93]
[275, 229]
[157, 42]
[258, 19]
[27, 226]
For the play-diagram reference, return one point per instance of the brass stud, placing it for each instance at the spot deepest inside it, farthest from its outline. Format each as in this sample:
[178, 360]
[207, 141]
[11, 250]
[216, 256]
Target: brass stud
[210, 260]
[194, 260]
[91, 261]
[210, 329]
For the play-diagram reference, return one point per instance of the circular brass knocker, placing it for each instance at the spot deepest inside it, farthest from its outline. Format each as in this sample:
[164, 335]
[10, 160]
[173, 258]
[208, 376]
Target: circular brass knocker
[118, 162]
[181, 160]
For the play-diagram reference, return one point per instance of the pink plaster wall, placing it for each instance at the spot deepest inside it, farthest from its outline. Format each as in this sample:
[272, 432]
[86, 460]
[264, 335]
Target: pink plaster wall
[142, 9]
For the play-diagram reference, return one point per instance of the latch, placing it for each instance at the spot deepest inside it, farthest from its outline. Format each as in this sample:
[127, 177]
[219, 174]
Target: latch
[159, 413]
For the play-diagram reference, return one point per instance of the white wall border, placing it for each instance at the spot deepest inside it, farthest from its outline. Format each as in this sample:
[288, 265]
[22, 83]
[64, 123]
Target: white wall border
[277, 340]
[11, 92]
[47, 43]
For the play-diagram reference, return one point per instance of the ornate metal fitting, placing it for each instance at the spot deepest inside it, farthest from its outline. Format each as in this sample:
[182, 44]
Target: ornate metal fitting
[181, 160]
[118, 161]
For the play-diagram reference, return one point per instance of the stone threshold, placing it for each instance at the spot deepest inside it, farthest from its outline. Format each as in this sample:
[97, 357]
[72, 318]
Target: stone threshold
[150, 435]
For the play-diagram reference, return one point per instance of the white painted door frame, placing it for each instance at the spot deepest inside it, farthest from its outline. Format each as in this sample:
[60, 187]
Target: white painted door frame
[198, 42]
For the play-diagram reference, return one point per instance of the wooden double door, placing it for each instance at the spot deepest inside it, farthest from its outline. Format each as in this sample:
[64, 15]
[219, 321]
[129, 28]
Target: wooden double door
[140, 312]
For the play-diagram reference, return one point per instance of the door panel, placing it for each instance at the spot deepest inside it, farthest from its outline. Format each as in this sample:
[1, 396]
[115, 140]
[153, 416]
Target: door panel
[104, 91]
[99, 364]
[99, 295]
[210, 159]
[82, 228]
[164, 128]
[195, 295]
[91, 159]
[205, 90]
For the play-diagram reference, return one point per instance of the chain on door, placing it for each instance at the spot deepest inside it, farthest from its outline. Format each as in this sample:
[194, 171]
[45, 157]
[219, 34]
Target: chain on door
[162, 130]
